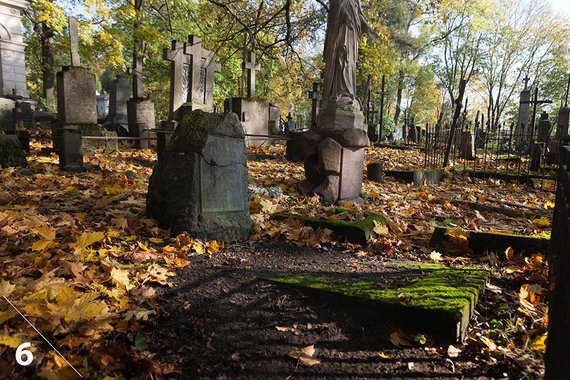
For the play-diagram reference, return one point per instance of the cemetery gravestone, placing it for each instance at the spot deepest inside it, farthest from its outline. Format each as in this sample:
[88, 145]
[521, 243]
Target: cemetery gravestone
[539, 148]
[200, 182]
[467, 145]
[257, 117]
[140, 111]
[120, 93]
[522, 130]
[315, 95]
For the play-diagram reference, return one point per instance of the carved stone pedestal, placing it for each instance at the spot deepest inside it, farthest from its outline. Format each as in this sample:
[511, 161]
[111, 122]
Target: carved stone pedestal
[334, 162]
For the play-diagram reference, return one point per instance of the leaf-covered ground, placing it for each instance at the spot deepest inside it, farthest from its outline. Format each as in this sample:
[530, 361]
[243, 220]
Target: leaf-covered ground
[81, 261]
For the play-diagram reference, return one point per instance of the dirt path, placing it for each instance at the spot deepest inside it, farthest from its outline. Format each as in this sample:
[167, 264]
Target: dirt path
[221, 322]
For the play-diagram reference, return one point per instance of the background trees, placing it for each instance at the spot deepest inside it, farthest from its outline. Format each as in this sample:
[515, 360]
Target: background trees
[423, 47]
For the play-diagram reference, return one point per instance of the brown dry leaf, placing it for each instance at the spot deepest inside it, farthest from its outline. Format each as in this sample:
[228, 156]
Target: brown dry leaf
[399, 338]
[48, 235]
[305, 355]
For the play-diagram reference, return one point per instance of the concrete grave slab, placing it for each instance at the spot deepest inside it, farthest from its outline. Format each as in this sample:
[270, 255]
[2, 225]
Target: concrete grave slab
[440, 302]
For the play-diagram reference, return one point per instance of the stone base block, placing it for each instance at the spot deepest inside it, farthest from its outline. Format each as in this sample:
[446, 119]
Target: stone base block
[338, 118]
[140, 113]
[70, 149]
[199, 184]
[334, 163]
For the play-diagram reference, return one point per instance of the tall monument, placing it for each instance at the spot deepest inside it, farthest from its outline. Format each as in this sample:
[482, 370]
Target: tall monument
[334, 150]
[12, 56]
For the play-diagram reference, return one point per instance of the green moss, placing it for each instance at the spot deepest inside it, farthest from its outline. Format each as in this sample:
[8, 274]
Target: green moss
[356, 232]
[448, 290]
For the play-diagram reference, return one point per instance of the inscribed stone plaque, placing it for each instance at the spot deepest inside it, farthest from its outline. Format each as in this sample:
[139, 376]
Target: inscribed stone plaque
[185, 81]
[222, 169]
[351, 173]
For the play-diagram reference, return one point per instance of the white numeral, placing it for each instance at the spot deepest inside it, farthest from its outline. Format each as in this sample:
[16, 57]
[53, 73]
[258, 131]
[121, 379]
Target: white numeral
[21, 351]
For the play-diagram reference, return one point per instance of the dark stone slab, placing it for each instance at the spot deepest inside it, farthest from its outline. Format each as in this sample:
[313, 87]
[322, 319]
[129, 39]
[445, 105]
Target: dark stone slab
[375, 172]
[440, 304]
[294, 151]
[480, 242]
[357, 232]
[11, 152]
[70, 149]
[140, 118]
[199, 184]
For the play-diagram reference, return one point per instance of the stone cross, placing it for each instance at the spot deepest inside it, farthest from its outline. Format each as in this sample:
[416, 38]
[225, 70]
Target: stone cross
[526, 80]
[202, 69]
[137, 70]
[316, 96]
[249, 67]
[74, 42]
[179, 75]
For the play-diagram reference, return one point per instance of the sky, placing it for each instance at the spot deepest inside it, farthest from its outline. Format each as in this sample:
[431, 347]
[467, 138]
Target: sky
[561, 5]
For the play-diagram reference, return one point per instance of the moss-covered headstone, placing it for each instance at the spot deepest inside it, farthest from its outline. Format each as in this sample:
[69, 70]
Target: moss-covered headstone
[199, 184]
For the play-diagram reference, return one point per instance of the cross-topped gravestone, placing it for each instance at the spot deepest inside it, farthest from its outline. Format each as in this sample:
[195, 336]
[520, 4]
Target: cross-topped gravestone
[74, 42]
[137, 71]
[249, 67]
[316, 96]
[526, 80]
[203, 67]
[179, 75]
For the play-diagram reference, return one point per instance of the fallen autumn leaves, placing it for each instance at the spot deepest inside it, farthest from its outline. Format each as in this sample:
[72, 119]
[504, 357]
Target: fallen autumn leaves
[80, 259]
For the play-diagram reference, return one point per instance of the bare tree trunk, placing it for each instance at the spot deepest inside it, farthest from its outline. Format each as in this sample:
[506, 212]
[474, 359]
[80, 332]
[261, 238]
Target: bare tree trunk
[48, 70]
[456, 114]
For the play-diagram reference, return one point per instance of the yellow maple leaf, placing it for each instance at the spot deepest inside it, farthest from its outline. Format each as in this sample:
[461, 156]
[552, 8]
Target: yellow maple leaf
[73, 309]
[381, 229]
[214, 246]
[12, 340]
[85, 240]
[48, 235]
[156, 240]
[199, 248]
[120, 278]
[6, 288]
[7, 314]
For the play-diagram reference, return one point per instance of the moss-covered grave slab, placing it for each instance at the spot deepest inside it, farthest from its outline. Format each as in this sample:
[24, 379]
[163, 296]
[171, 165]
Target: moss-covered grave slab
[440, 304]
[455, 240]
[417, 177]
[357, 232]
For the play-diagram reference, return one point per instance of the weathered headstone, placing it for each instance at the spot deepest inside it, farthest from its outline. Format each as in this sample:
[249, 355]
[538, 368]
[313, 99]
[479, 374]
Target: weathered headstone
[121, 91]
[413, 133]
[541, 143]
[562, 126]
[199, 185]
[76, 106]
[12, 55]
[249, 67]
[334, 150]
[315, 95]
[467, 145]
[11, 153]
[140, 111]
